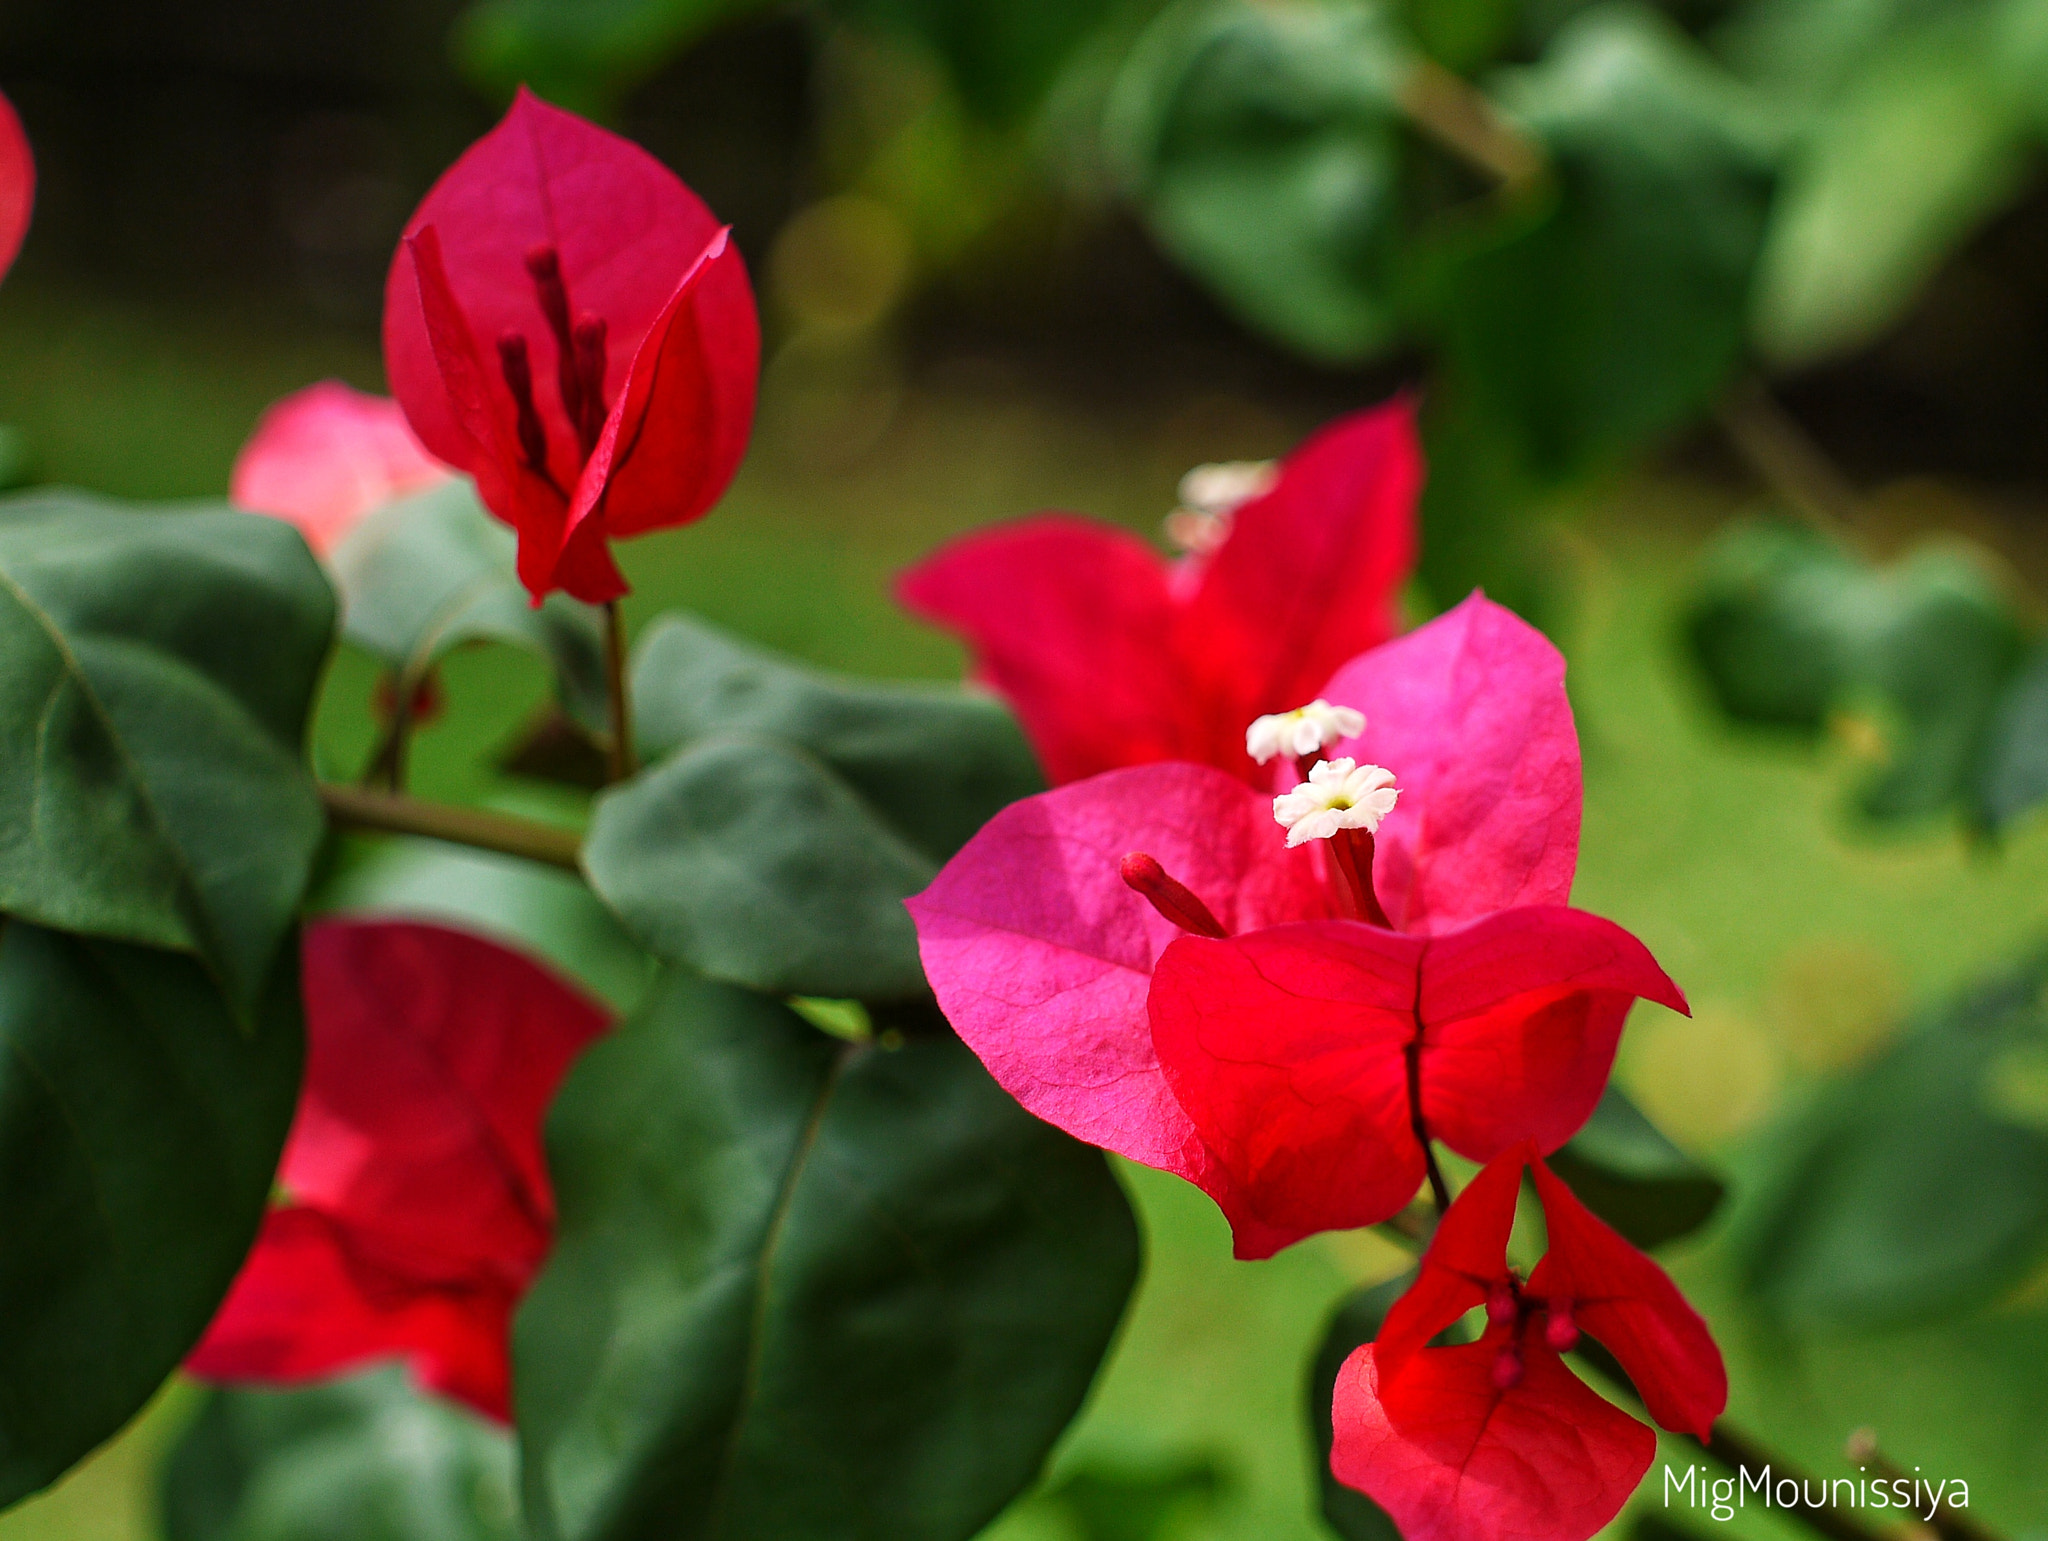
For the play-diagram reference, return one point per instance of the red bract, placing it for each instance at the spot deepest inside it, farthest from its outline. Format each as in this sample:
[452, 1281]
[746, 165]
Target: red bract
[1113, 656]
[1498, 1440]
[568, 323]
[17, 184]
[327, 455]
[417, 1206]
[1288, 1060]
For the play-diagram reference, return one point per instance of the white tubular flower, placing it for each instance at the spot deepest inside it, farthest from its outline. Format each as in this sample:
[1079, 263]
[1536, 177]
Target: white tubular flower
[1339, 794]
[1306, 730]
[1209, 495]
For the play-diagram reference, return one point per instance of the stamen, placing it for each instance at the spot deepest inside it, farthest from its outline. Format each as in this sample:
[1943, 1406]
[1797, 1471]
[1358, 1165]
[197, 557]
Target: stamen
[590, 371]
[1559, 1330]
[1306, 730]
[1169, 897]
[544, 266]
[518, 369]
[1507, 1368]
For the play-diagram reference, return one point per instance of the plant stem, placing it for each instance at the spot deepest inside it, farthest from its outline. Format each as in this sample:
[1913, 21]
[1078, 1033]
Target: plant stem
[396, 814]
[616, 691]
[1787, 461]
[1458, 116]
[1949, 1523]
[1741, 1453]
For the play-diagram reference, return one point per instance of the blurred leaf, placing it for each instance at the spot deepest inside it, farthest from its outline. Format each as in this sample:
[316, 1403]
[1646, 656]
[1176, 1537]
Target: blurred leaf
[139, 1129]
[1261, 140]
[1138, 1503]
[1920, 147]
[581, 54]
[369, 1458]
[1789, 628]
[1002, 57]
[1629, 1175]
[160, 667]
[430, 572]
[2015, 776]
[1619, 314]
[804, 1287]
[795, 812]
[539, 910]
[1462, 35]
[1918, 1185]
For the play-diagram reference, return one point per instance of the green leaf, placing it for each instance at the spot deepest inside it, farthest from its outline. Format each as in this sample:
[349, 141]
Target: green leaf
[370, 1458]
[1917, 1186]
[139, 1131]
[1356, 1321]
[581, 54]
[1126, 1502]
[2015, 775]
[1619, 314]
[430, 572]
[1632, 1177]
[794, 813]
[802, 1287]
[1918, 150]
[1002, 57]
[1262, 143]
[159, 669]
[1789, 628]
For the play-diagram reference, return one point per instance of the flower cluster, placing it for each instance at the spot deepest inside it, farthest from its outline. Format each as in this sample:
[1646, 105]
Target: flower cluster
[1291, 1000]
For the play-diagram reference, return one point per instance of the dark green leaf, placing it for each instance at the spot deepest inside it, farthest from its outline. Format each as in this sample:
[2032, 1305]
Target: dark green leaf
[1619, 314]
[804, 1288]
[139, 1131]
[1919, 1184]
[158, 669]
[1139, 1503]
[1002, 57]
[795, 812]
[435, 570]
[1262, 143]
[1629, 1175]
[582, 54]
[370, 1458]
[2015, 777]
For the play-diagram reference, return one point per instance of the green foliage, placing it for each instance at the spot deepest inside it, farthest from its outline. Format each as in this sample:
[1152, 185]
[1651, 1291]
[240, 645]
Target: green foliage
[804, 1287]
[583, 54]
[793, 814]
[139, 1128]
[370, 1458]
[430, 572]
[161, 666]
[1262, 143]
[1917, 1185]
[1144, 1503]
[1635, 1179]
[1003, 58]
[1789, 628]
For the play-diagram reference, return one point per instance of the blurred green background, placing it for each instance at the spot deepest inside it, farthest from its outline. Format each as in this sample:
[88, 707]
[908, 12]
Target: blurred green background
[960, 331]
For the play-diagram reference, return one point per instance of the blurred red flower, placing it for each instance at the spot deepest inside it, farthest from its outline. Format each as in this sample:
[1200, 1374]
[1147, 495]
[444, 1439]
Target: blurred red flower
[552, 241]
[17, 184]
[1498, 1440]
[327, 455]
[1289, 1059]
[416, 1205]
[1113, 656]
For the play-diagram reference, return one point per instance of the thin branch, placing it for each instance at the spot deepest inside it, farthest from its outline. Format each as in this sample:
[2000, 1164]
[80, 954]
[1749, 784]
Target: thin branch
[394, 813]
[1460, 117]
[617, 692]
[1788, 462]
[1741, 1453]
[1949, 1522]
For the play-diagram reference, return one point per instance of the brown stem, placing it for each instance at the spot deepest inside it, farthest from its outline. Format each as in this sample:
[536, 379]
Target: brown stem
[396, 814]
[1458, 116]
[622, 761]
[1741, 1453]
[1949, 1523]
[1787, 461]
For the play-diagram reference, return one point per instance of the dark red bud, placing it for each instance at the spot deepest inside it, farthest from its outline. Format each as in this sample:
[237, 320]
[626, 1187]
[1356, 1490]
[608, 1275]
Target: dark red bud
[1559, 1330]
[1169, 897]
[1502, 1308]
[1507, 1369]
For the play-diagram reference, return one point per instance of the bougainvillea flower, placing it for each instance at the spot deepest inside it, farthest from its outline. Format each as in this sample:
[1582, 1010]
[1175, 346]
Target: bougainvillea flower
[327, 455]
[567, 322]
[1111, 655]
[416, 1206]
[1498, 1440]
[17, 184]
[1155, 1007]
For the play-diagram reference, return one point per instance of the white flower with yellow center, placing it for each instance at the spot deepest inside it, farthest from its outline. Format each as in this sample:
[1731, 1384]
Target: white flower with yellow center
[1304, 731]
[1339, 794]
[1209, 495]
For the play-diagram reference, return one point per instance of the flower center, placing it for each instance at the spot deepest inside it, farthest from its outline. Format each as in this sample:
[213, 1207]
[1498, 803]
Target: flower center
[1338, 795]
[579, 368]
[1305, 731]
[1507, 1307]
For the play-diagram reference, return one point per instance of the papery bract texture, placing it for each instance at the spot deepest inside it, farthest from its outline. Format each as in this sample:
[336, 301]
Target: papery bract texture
[1312, 1058]
[325, 456]
[416, 1202]
[567, 322]
[1470, 714]
[1498, 1440]
[17, 184]
[1112, 656]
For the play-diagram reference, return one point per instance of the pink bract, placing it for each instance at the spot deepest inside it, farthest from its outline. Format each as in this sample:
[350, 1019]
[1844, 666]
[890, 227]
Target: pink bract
[675, 355]
[1113, 656]
[417, 1206]
[17, 184]
[325, 456]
